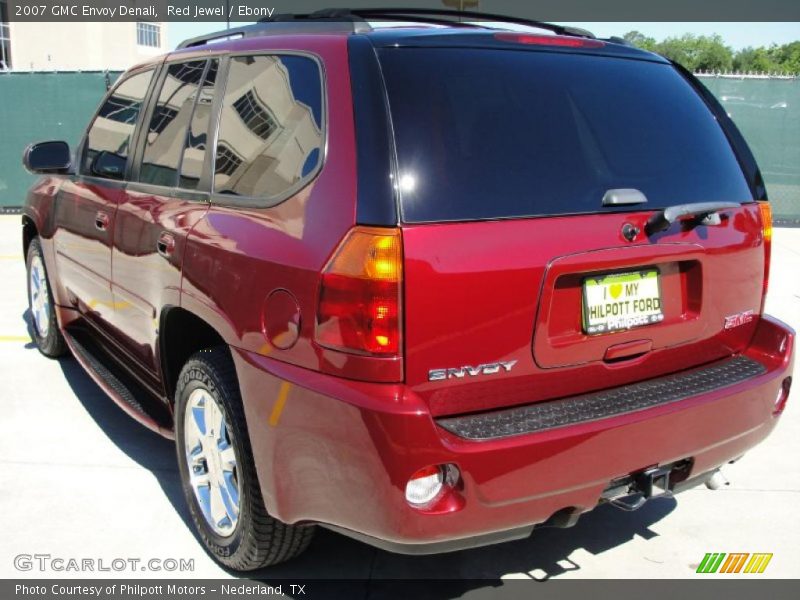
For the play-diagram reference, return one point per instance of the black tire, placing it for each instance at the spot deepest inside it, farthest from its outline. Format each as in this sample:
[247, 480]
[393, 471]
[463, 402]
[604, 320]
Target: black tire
[258, 540]
[52, 343]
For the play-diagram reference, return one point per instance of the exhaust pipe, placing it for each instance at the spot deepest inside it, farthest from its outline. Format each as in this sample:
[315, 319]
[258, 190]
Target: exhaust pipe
[717, 481]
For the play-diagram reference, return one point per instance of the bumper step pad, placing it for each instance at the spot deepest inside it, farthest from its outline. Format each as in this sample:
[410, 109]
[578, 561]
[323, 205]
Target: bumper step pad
[601, 405]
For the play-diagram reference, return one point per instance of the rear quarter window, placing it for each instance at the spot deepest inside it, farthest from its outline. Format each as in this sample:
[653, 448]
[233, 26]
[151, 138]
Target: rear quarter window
[486, 134]
[270, 131]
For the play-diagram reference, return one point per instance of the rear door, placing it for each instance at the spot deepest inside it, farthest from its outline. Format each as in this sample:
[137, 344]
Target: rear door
[521, 282]
[87, 205]
[162, 204]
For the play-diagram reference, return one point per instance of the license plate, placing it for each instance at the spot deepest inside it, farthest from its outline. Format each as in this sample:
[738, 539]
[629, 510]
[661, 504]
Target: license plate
[621, 301]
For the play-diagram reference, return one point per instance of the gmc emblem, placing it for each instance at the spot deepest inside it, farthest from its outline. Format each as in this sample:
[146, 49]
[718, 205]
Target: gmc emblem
[739, 319]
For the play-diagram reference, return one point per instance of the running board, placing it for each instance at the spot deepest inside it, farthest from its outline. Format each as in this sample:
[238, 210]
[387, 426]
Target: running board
[123, 389]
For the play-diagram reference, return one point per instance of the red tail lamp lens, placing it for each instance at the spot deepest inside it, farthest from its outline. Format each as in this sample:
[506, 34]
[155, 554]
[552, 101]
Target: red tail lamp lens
[766, 231]
[360, 298]
[549, 40]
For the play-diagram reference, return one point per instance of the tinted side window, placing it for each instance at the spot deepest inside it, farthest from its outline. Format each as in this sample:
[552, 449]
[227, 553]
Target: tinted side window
[108, 142]
[194, 153]
[171, 115]
[270, 135]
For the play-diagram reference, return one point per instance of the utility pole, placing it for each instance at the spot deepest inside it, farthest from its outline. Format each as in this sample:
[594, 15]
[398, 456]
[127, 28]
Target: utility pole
[462, 5]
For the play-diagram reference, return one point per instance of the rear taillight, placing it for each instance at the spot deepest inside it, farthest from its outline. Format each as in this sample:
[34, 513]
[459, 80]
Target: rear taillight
[360, 297]
[549, 40]
[766, 232]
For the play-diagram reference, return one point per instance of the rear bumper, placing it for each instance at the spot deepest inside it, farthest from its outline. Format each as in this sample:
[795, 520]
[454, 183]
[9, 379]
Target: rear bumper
[340, 452]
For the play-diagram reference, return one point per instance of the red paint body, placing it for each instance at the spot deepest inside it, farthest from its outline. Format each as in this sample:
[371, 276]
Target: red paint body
[338, 437]
[354, 428]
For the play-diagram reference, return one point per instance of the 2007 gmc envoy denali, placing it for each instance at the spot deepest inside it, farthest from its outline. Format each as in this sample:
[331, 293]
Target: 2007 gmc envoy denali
[428, 286]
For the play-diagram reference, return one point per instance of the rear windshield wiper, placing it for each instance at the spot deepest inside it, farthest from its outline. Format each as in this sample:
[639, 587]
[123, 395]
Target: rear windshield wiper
[699, 211]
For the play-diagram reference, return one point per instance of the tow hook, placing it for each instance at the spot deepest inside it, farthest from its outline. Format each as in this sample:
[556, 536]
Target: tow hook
[717, 481]
[631, 493]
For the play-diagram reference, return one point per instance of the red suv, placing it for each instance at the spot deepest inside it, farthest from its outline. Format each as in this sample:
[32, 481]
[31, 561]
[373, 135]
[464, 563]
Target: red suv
[427, 286]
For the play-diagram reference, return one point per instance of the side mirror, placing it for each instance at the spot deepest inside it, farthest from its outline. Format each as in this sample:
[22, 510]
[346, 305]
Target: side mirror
[109, 165]
[47, 157]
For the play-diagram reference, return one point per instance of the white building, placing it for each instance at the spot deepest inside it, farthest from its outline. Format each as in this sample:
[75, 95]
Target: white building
[30, 46]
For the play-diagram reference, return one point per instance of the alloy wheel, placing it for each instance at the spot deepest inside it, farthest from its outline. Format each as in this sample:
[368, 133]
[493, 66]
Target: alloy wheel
[39, 297]
[211, 460]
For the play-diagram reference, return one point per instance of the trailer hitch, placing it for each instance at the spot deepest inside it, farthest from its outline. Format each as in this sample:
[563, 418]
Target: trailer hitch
[632, 492]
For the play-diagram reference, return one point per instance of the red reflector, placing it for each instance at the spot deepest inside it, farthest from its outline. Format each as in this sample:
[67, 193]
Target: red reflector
[549, 40]
[766, 231]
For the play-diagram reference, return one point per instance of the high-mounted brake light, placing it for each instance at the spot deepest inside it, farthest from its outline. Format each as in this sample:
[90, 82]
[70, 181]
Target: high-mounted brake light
[549, 40]
[360, 297]
[766, 232]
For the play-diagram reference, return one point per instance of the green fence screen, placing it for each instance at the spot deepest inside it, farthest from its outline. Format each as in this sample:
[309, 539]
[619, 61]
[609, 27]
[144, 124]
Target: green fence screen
[41, 106]
[767, 111]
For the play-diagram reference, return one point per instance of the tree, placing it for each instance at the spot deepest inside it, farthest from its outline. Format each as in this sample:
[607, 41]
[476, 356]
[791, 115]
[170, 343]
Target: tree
[787, 57]
[698, 53]
[681, 50]
[711, 54]
[640, 40]
[754, 59]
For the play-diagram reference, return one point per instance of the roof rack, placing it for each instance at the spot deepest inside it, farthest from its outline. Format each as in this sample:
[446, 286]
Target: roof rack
[281, 25]
[356, 21]
[438, 16]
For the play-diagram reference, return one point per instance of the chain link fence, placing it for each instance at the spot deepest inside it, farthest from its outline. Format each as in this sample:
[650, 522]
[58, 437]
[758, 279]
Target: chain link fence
[41, 106]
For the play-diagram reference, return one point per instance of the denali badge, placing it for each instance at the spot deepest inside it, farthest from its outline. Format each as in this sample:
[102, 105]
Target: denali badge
[461, 372]
[738, 319]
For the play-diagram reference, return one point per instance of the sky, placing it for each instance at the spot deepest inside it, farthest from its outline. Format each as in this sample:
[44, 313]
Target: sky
[736, 35]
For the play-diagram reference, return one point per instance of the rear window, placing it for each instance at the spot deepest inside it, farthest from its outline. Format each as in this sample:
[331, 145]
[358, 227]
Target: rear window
[487, 134]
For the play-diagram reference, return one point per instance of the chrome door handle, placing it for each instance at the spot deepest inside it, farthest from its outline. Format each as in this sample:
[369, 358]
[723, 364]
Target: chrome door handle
[101, 220]
[165, 244]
